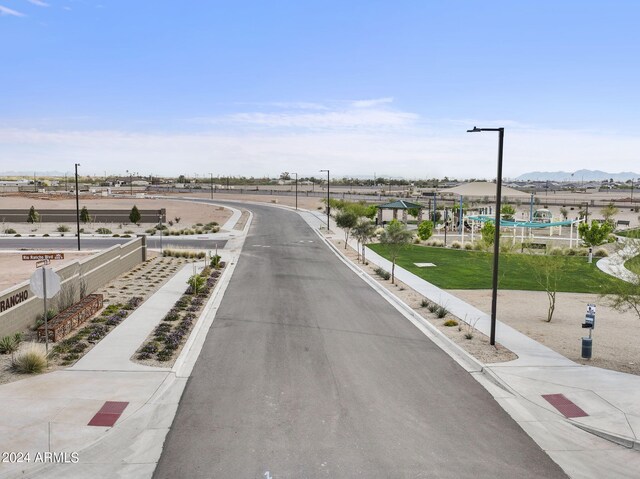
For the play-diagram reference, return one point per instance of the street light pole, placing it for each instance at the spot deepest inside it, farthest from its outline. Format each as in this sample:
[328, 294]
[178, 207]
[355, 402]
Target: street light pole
[296, 189]
[77, 208]
[496, 238]
[211, 184]
[328, 207]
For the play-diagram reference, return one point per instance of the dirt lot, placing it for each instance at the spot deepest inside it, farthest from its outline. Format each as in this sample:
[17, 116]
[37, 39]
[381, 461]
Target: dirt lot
[615, 337]
[14, 270]
[188, 212]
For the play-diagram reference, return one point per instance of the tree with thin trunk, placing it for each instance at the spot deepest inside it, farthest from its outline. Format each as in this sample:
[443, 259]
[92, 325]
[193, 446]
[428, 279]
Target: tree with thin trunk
[363, 232]
[395, 237]
[346, 220]
[548, 272]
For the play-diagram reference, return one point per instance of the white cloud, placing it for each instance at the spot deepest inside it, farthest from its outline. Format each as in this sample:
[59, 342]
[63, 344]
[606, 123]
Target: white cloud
[7, 11]
[40, 3]
[348, 119]
[370, 103]
[416, 152]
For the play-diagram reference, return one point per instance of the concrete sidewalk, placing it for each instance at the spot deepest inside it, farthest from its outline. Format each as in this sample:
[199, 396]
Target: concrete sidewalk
[610, 399]
[51, 412]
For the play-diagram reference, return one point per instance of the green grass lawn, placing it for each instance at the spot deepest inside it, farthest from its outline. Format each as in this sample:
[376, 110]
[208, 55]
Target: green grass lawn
[633, 233]
[461, 269]
[633, 265]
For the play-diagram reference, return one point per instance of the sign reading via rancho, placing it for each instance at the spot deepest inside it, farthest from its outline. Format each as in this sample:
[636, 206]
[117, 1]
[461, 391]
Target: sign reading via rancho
[41, 256]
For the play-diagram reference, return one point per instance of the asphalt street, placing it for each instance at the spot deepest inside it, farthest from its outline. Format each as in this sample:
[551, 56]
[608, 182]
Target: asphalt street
[71, 243]
[307, 372]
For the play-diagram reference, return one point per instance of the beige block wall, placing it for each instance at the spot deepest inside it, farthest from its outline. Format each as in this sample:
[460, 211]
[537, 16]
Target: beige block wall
[96, 271]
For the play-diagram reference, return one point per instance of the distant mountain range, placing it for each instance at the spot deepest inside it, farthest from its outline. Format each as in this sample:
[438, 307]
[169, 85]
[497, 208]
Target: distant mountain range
[580, 175]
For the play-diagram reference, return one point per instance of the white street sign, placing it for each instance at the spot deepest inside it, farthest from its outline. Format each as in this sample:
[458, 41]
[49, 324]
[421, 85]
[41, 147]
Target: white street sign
[37, 282]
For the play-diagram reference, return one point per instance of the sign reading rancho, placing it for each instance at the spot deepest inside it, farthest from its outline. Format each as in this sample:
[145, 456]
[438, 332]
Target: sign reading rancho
[14, 300]
[42, 256]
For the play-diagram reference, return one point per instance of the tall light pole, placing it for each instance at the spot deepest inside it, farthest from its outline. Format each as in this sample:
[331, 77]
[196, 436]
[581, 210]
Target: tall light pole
[632, 190]
[211, 184]
[77, 208]
[296, 189]
[496, 238]
[328, 207]
[130, 183]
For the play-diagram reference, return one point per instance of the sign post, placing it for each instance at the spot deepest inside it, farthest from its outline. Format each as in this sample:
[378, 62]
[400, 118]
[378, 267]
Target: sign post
[45, 283]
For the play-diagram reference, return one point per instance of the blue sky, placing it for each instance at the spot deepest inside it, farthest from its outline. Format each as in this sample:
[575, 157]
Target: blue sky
[361, 87]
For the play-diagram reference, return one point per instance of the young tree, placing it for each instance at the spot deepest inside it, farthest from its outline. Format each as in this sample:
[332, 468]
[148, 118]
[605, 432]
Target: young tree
[363, 232]
[346, 220]
[395, 237]
[134, 216]
[594, 234]
[507, 212]
[34, 216]
[549, 273]
[413, 212]
[85, 217]
[609, 212]
[564, 212]
[425, 230]
[488, 232]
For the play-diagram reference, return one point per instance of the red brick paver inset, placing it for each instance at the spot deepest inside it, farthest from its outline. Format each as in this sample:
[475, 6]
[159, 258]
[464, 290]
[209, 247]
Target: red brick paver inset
[108, 414]
[564, 405]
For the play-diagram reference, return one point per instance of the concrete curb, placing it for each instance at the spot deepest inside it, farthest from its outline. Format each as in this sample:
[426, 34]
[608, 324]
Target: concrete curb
[628, 442]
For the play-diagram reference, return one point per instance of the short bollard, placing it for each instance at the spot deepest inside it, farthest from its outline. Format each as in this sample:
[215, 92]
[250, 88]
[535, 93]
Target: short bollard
[586, 348]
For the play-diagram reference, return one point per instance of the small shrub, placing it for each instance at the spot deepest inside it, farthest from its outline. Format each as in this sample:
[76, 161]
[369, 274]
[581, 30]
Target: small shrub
[468, 246]
[382, 273]
[441, 312]
[129, 232]
[571, 252]
[116, 235]
[601, 253]
[10, 231]
[215, 261]
[164, 355]
[450, 323]
[556, 251]
[62, 229]
[103, 231]
[31, 360]
[425, 303]
[46, 235]
[456, 245]
[10, 344]
[432, 307]
[17, 235]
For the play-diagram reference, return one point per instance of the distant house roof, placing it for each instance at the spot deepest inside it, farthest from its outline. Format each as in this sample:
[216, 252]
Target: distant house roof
[399, 205]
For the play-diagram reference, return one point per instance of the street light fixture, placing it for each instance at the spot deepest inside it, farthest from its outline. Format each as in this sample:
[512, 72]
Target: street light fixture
[77, 208]
[328, 207]
[496, 238]
[296, 189]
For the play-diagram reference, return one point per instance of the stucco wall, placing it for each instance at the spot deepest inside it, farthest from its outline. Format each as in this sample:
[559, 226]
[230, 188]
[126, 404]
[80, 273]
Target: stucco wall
[90, 274]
